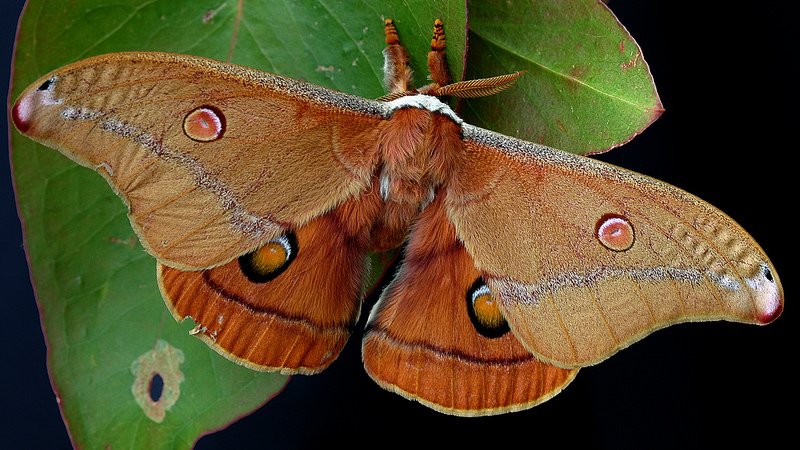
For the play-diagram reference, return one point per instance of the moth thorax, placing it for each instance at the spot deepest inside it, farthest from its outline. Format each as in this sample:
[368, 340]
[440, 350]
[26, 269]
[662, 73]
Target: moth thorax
[418, 148]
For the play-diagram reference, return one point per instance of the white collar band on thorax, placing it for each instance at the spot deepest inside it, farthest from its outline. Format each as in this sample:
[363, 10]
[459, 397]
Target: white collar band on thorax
[423, 101]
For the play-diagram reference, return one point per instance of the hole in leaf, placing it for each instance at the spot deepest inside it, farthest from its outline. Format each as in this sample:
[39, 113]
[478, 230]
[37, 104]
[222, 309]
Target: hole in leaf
[156, 387]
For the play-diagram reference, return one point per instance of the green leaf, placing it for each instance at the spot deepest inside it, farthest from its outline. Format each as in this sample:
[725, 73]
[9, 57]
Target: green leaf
[107, 328]
[104, 320]
[587, 88]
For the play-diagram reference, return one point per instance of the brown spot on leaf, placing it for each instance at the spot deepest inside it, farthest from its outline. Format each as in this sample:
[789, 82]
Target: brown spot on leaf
[129, 242]
[633, 62]
[163, 361]
[655, 112]
[577, 72]
[575, 77]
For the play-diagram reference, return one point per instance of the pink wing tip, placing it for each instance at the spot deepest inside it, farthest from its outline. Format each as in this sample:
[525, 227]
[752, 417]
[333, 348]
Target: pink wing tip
[772, 312]
[21, 113]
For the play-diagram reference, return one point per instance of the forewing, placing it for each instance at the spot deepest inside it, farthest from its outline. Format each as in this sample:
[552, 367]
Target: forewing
[268, 153]
[586, 258]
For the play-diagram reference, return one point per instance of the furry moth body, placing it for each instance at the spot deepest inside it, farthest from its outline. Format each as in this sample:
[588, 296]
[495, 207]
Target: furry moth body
[260, 197]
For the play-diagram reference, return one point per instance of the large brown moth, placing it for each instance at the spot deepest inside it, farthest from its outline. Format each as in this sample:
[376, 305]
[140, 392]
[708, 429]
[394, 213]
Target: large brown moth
[261, 196]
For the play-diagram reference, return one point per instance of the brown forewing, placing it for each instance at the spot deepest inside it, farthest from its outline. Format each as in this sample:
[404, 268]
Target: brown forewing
[289, 151]
[528, 215]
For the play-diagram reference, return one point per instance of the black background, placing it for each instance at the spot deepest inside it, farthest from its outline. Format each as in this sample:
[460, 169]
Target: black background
[727, 76]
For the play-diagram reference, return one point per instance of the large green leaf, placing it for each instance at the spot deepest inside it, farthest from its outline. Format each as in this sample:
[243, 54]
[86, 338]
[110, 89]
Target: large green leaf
[107, 328]
[587, 88]
[103, 316]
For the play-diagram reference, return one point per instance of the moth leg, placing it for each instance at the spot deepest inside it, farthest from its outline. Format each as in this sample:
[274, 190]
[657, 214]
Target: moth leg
[397, 75]
[437, 62]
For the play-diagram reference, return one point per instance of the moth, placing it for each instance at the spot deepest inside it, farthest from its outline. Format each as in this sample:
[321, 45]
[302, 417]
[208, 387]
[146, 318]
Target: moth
[261, 197]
